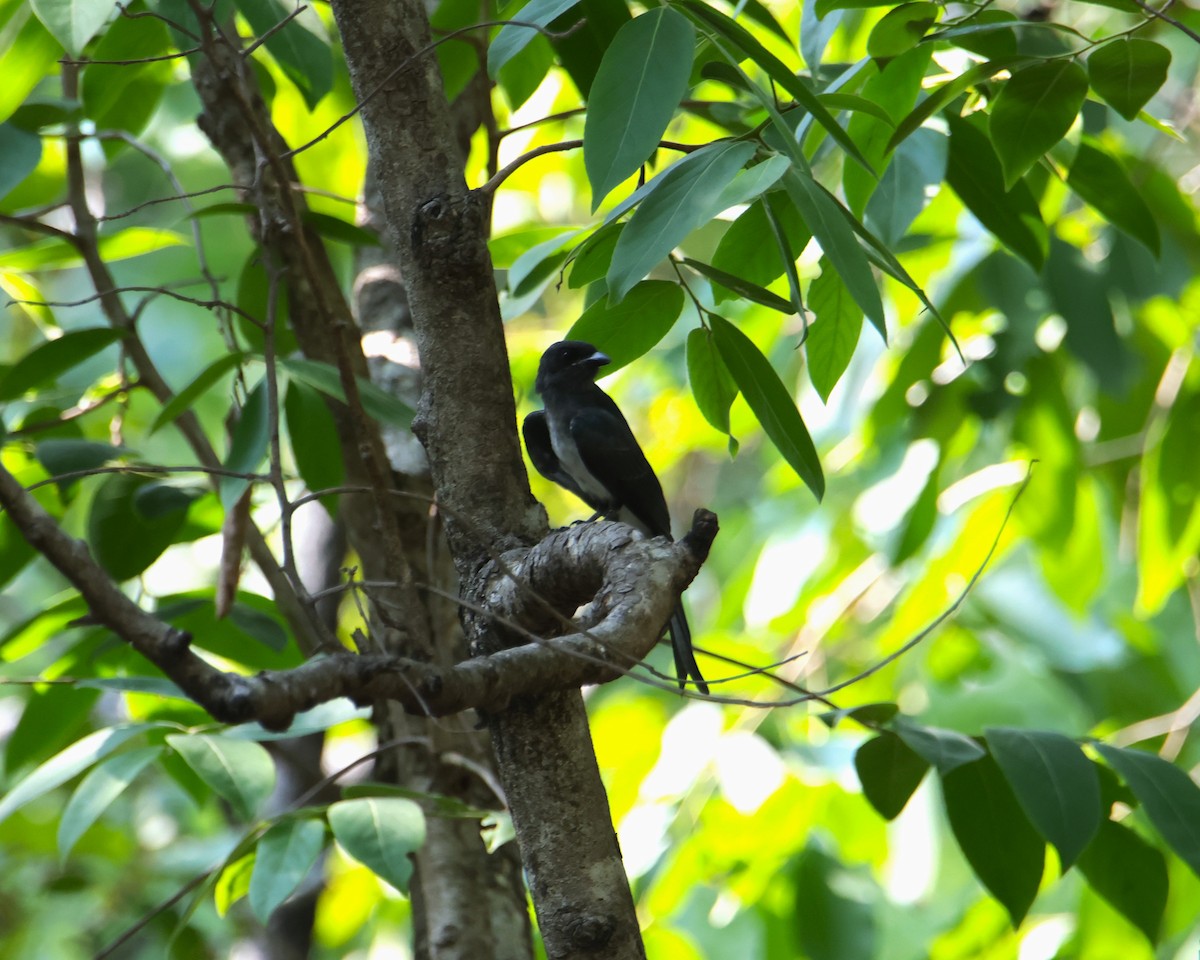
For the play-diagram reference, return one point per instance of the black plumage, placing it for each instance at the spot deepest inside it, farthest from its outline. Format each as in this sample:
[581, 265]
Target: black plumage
[583, 443]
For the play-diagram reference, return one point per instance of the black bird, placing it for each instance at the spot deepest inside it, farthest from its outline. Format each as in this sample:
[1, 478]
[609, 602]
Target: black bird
[583, 443]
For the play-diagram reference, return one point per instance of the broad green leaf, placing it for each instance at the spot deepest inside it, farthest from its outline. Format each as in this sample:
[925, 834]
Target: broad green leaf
[514, 37]
[973, 172]
[52, 253]
[890, 772]
[1169, 796]
[538, 263]
[770, 401]
[378, 403]
[314, 440]
[50, 360]
[742, 287]
[522, 75]
[187, 397]
[254, 299]
[20, 152]
[335, 228]
[1127, 72]
[1035, 109]
[1078, 291]
[159, 498]
[232, 883]
[744, 41]
[73, 22]
[138, 241]
[28, 57]
[260, 625]
[380, 833]
[593, 256]
[1168, 531]
[830, 228]
[67, 764]
[1055, 784]
[285, 855]
[436, 804]
[51, 719]
[123, 541]
[945, 749]
[994, 834]
[319, 718]
[840, 919]
[712, 384]
[642, 78]
[194, 613]
[631, 328]
[990, 33]
[947, 93]
[589, 32]
[902, 28]
[1100, 180]
[303, 56]
[70, 456]
[920, 521]
[834, 335]
[914, 172]
[98, 790]
[749, 249]
[856, 104]
[670, 211]
[125, 96]
[248, 445]
[240, 771]
[1130, 874]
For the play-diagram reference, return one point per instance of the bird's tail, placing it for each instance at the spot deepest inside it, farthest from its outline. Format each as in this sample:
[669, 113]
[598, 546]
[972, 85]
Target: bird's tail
[681, 644]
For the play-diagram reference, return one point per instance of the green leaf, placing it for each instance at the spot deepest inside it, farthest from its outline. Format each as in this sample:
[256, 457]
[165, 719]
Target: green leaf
[513, 37]
[20, 153]
[68, 763]
[285, 855]
[1168, 533]
[839, 915]
[712, 383]
[314, 440]
[26, 59]
[73, 22]
[186, 398]
[749, 249]
[1130, 874]
[1127, 72]
[642, 78]
[260, 625]
[303, 56]
[240, 771]
[832, 231]
[745, 42]
[940, 98]
[743, 288]
[890, 772]
[380, 833]
[902, 28]
[378, 403]
[335, 228]
[995, 836]
[824, 7]
[71, 456]
[913, 174]
[1055, 784]
[632, 327]
[832, 339]
[770, 401]
[674, 207]
[125, 96]
[232, 883]
[45, 363]
[1099, 179]
[1078, 291]
[973, 172]
[248, 445]
[945, 749]
[194, 613]
[98, 790]
[1035, 109]
[593, 256]
[123, 540]
[1169, 796]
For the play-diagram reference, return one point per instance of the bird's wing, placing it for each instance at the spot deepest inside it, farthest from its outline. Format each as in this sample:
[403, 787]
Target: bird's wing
[611, 454]
[536, 431]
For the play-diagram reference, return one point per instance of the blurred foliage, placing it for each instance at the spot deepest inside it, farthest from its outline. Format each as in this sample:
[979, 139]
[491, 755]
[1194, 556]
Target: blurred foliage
[1024, 169]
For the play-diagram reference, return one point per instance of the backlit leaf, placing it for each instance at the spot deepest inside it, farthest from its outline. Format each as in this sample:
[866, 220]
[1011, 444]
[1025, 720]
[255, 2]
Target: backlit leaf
[380, 833]
[1035, 109]
[240, 771]
[1127, 72]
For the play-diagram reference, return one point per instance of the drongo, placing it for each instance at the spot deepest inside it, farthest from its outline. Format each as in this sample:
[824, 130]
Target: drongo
[583, 443]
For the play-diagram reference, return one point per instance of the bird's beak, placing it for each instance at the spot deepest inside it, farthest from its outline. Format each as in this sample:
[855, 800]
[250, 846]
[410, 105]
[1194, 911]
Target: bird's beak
[599, 359]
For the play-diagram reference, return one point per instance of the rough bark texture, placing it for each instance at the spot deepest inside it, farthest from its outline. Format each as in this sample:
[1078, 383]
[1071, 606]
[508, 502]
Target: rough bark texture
[467, 423]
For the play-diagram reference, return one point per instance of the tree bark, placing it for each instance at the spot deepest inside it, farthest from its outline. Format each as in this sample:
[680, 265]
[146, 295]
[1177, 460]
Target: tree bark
[467, 423]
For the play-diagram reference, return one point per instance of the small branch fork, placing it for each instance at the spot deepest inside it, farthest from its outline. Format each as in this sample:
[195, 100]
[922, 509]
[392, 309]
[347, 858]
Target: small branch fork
[631, 582]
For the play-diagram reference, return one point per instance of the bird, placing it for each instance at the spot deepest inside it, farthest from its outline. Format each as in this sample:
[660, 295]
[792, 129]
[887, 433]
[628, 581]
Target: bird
[582, 442]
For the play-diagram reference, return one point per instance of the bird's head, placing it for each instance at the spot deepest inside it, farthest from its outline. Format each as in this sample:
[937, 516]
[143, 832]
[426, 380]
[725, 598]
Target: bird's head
[569, 361]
